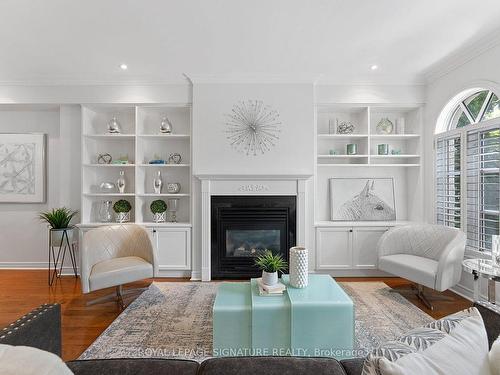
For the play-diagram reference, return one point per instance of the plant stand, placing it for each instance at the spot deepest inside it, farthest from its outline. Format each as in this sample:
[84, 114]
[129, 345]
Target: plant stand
[63, 247]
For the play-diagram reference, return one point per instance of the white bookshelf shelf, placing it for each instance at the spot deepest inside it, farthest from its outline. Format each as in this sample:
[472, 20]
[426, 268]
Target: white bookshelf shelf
[400, 156]
[140, 141]
[94, 165]
[114, 137]
[395, 136]
[341, 136]
[164, 136]
[109, 194]
[328, 156]
[178, 195]
[172, 165]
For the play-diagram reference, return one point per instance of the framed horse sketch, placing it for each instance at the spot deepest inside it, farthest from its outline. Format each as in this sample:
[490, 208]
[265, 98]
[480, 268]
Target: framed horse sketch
[362, 199]
[22, 168]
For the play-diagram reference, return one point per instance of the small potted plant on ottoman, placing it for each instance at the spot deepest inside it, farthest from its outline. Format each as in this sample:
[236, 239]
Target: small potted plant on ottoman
[270, 264]
[59, 221]
[122, 209]
[159, 209]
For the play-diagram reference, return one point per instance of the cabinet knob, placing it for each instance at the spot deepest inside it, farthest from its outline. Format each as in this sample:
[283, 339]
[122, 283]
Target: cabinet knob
[350, 230]
[154, 230]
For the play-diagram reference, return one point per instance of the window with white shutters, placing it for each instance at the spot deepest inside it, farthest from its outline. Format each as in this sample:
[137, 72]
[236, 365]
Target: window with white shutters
[448, 181]
[467, 167]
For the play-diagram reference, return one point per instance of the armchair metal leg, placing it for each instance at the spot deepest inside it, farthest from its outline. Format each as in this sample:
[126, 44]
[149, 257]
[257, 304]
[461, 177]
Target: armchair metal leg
[118, 296]
[418, 290]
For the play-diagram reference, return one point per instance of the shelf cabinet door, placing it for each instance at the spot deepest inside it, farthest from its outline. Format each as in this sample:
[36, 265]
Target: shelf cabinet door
[364, 247]
[334, 248]
[173, 247]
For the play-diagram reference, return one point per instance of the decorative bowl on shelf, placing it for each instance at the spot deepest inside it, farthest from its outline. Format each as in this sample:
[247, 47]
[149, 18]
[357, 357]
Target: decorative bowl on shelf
[173, 187]
[385, 126]
[107, 187]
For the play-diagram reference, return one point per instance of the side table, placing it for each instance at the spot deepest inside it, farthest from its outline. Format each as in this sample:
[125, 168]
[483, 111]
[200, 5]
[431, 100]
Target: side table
[486, 269]
[65, 245]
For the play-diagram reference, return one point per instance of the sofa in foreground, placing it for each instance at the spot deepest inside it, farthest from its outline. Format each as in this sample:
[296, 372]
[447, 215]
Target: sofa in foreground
[41, 329]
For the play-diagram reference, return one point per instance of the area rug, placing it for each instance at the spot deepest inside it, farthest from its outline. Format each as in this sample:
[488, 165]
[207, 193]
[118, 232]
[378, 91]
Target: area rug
[174, 320]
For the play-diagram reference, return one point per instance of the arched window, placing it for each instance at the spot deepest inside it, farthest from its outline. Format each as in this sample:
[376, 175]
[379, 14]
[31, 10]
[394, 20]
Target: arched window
[467, 145]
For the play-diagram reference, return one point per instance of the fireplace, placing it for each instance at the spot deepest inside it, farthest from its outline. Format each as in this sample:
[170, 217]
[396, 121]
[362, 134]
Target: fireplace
[242, 227]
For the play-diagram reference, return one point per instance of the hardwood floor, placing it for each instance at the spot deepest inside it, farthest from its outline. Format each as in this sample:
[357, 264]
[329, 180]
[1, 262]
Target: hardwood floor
[22, 291]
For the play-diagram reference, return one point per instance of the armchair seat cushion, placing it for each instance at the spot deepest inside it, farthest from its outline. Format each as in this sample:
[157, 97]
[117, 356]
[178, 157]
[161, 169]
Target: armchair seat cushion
[119, 271]
[417, 269]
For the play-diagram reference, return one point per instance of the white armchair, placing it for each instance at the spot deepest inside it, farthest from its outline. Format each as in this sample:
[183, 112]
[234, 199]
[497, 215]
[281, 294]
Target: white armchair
[115, 255]
[428, 255]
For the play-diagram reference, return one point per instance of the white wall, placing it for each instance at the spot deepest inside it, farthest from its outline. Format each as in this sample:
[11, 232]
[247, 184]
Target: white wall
[294, 151]
[23, 237]
[482, 71]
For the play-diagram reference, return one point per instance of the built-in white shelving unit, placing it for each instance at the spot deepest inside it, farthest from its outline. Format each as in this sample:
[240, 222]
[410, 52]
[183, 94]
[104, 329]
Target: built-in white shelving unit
[349, 248]
[139, 141]
[332, 147]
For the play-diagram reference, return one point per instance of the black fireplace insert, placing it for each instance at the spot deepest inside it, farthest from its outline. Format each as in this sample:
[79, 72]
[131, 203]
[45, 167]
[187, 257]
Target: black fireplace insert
[243, 227]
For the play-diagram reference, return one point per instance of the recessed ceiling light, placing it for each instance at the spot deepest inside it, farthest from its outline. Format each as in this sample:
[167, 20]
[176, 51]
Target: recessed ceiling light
[374, 67]
[123, 66]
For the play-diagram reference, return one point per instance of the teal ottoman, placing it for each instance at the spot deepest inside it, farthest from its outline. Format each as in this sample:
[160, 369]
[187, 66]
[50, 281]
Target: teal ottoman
[315, 321]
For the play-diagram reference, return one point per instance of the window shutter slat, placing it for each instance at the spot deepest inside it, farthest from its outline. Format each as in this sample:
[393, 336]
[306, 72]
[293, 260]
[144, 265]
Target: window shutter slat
[448, 179]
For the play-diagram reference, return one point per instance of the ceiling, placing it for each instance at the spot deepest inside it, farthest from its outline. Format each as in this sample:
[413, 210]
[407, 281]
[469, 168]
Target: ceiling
[85, 41]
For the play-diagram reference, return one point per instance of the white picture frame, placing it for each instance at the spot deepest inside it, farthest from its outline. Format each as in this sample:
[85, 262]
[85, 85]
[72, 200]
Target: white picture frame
[22, 168]
[362, 199]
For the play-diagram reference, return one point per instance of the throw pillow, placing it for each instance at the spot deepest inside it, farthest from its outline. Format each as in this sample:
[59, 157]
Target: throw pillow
[25, 360]
[456, 344]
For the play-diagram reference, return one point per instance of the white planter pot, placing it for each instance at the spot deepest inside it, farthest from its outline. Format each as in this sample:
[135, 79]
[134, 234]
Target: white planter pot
[57, 234]
[270, 278]
[122, 217]
[160, 217]
[299, 267]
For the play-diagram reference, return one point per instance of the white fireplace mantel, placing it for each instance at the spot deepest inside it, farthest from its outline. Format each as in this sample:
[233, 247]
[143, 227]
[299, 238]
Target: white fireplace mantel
[248, 185]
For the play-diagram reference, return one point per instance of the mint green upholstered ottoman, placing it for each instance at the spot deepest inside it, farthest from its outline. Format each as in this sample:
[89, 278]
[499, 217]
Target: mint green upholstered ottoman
[314, 321]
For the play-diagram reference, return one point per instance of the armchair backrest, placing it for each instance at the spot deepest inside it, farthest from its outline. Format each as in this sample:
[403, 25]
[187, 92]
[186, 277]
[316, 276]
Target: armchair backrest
[424, 240]
[114, 241]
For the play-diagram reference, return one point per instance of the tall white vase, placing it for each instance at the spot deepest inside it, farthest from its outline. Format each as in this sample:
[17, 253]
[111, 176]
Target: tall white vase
[299, 268]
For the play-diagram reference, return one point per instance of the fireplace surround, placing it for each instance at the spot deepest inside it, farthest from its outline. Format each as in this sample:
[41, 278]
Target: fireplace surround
[246, 185]
[242, 227]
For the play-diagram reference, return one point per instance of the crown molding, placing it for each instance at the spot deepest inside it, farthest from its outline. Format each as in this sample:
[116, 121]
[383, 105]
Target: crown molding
[461, 56]
[125, 81]
[251, 78]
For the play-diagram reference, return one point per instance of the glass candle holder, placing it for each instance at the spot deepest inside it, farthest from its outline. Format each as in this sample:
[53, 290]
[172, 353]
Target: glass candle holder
[173, 207]
[383, 149]
[352, 149]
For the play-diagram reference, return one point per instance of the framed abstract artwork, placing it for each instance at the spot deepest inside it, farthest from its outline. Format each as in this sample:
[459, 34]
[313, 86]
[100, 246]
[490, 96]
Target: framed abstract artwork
[362, 199]
[22, 168]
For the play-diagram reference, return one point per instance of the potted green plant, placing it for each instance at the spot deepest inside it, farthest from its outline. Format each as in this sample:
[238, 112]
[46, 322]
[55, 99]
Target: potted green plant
[59, 221]
[159, 209]
[122, 209]
[270, 264]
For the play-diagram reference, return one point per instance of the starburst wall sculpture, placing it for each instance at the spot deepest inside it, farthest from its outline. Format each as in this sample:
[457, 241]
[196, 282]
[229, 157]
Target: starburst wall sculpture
[253, 127]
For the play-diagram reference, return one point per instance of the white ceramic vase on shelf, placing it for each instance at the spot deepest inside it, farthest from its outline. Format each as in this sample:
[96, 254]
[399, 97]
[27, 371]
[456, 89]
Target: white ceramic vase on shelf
[299, 267]
[270, 278]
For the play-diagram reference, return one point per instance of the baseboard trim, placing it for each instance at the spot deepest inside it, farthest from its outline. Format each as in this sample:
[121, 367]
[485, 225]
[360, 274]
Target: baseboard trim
[67, 270]
[464, 292]
[196, 276]
[468, 293]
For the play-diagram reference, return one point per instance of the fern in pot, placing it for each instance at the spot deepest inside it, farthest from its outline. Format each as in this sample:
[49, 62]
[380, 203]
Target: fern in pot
[159, 209]
[270, 264]
[122, 210]
[59, 220]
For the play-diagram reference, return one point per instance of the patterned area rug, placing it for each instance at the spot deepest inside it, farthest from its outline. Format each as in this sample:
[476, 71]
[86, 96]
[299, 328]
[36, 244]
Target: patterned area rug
[174, 320]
